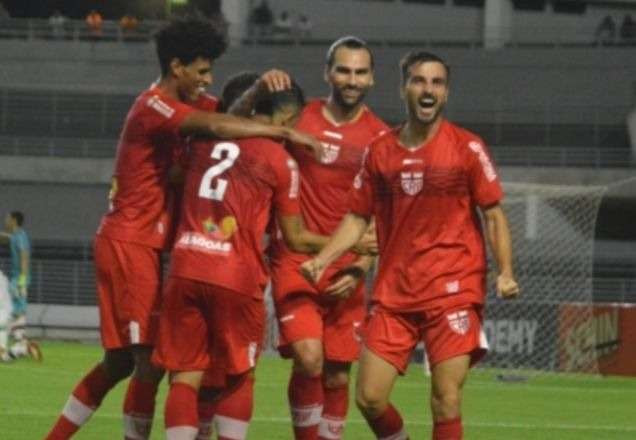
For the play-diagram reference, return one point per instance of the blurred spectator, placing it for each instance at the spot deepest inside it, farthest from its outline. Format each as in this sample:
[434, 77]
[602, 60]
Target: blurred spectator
[94, 23]
[304, 26]
[606, 31]
[628, 29]
[57, 21]
[283, 24]
[3, 12]
[260, 20]
[128, 24]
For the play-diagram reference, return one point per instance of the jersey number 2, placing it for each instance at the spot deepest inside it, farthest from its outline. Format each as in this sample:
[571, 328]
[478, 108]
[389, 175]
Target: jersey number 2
[216, 190]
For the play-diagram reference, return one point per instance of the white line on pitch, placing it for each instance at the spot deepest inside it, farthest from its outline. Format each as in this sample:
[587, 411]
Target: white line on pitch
[357, 421]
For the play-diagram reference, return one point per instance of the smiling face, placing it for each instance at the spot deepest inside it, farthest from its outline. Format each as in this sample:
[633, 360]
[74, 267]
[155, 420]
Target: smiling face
[192, 79]
[350, 76]
[425, 91]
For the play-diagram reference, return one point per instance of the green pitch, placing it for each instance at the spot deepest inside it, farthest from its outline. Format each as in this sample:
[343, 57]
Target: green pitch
[548, 408]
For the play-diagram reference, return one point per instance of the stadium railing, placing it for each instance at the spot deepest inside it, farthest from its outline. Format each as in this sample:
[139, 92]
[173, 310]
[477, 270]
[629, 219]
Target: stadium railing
[549, 36]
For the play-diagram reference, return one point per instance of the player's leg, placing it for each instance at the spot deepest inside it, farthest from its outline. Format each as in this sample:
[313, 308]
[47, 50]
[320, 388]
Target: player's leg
[376, 378]
[181, 416]
[118, 362]
[341, 342]
[138, 307]
[5, 317]
[88, 394]
[233, 408]
[139, 403]
[236, 352]
[300, 325]
[389, 340]
[454, 341]
[335, 383]
[447, 380]
[17, 328]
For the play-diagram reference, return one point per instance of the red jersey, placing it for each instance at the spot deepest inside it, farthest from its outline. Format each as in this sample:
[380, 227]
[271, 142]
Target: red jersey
[139, 212]
[230, 190]
[424, 201]
[325, 185]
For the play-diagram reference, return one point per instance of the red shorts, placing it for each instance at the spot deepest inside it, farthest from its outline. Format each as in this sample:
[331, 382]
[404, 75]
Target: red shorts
[204, 326]
[336, 323]
[129, 292]
[447, 332]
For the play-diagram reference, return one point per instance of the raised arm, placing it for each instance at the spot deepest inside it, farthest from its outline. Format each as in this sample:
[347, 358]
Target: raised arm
[271, 81]
[498, 234]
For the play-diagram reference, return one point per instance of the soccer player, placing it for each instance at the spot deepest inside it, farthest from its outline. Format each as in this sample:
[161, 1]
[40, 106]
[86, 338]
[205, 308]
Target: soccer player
[214, 297]
[138, 226]
[319, 324]
[424, 182]
[19, 280]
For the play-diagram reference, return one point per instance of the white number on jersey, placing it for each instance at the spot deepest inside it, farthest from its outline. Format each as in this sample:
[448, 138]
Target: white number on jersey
[208, 189]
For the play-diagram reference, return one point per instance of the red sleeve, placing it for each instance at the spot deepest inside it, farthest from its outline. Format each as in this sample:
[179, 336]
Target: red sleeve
[163, 117]
[286, 192]
[361, 195]
[483, 180]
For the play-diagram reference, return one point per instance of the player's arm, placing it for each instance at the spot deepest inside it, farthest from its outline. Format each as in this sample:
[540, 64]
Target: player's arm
[368, 244]
[498, 234]
[227, 126]
[298, 238]
[271, 81]
[348, 278]
[350, 230]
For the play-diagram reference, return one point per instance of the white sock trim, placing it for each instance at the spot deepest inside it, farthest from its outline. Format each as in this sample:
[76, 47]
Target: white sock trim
[331, 427]
[137, 428]
[306, 415]
[181, 433]
[76, 411]
[205, 430]
[231, 428]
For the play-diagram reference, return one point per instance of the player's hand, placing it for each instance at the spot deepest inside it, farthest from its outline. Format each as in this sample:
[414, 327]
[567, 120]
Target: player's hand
[312, 270]
[274, 80]
[507, 287]
[305, 141]
[367, 245]
[346, 282]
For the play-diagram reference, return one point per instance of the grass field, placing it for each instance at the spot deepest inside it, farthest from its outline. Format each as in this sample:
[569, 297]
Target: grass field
[546, 408]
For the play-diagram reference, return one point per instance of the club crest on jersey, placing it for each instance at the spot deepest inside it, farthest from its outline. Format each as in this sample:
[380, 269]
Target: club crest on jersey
[330, 152]
[459, 322]
[412, 182]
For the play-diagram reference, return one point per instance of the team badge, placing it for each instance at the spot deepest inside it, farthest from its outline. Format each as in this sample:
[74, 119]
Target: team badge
[459, 322]
[412, 182]
[330, 152]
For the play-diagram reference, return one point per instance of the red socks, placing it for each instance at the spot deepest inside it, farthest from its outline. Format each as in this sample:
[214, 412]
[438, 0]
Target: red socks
[234, 409]
[139, 409]
[181, 412]
[388, 425]
[306, 401]
[448, 430]
[334, 413]
[82, 403]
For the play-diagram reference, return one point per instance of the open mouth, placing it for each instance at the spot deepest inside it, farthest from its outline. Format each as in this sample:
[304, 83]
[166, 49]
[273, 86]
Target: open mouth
[427, 102]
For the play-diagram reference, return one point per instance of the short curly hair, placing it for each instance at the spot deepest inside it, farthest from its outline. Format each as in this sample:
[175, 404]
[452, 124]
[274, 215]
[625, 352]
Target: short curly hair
[188, 40]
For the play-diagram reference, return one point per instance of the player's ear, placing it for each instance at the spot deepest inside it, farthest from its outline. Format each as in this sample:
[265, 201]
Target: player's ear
[325, 74]
[176, 67]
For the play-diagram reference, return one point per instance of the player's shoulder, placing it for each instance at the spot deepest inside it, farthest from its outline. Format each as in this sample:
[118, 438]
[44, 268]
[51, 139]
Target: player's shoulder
[375, 124]
[152, 100]
[206, 102]
[385, 140]
[312, 109]
[463, 137]
[265, 148]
